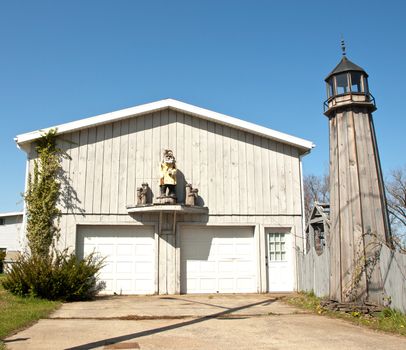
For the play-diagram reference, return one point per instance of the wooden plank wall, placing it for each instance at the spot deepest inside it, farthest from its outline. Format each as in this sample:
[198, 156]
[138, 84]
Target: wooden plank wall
[357, 204]
[314, 272]
[393, 269]
[237, 173]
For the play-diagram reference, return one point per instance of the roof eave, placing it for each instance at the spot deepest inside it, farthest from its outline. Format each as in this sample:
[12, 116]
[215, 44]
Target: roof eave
[13, 213]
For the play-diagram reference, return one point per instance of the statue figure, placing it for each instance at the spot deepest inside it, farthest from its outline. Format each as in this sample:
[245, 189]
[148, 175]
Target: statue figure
[191, 195]
[168, 175]
[142, 193]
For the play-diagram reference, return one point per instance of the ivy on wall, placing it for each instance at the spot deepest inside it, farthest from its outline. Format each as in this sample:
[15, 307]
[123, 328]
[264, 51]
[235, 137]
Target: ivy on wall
[42, 196]
[47, 272]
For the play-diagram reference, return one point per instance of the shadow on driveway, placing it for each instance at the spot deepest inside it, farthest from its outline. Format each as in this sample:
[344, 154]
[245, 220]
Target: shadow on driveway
[127, 337]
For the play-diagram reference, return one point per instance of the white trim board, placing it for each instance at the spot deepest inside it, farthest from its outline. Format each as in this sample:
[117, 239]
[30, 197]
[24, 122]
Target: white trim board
[304, 145]
[14, 213]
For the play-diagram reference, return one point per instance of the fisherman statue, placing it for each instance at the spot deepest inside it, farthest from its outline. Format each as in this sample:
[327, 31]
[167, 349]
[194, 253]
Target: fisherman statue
[167, 184]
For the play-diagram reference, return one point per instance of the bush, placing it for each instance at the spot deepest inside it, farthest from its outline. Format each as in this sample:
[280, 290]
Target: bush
[59, 276]
[2, 257]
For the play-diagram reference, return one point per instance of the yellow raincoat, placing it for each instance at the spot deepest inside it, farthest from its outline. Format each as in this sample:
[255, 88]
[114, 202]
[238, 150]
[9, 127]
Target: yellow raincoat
[168, 174]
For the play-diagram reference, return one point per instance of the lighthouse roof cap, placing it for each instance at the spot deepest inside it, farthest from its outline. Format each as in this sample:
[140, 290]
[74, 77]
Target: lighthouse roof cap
[345, 65]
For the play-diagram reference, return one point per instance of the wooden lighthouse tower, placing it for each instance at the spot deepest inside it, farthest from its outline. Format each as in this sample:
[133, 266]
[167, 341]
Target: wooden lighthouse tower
[358, 215]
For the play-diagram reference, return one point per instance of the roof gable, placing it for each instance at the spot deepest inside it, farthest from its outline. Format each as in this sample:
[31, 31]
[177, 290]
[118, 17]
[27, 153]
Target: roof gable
[303, 145]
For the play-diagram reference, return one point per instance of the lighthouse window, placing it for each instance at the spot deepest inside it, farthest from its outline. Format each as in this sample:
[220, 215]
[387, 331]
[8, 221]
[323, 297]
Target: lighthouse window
[330, 87]
[342, 84]
[356, 82]
[365, 83]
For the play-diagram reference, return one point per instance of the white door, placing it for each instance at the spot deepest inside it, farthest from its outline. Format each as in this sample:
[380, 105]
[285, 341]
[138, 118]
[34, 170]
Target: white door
[218, 260]
[280, 268]
[130, 256]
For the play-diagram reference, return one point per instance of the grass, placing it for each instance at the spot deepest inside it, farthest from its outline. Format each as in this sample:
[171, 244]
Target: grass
[388, 320]
[18, 313]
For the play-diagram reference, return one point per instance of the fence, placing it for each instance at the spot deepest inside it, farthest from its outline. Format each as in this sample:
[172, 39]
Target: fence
[393, 267]
[314, 274]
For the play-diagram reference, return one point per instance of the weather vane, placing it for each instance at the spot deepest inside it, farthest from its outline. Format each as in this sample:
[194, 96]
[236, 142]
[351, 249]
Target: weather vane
[343, 45]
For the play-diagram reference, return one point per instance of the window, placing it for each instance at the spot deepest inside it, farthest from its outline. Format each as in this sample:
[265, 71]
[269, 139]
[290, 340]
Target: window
[330, 88]
[2, 221]
[356, 82]
[319, 238]
[277, 247]
[365, 83]
[342, 84]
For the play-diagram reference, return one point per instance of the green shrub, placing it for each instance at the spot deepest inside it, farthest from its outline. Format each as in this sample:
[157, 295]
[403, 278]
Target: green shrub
[59, 276]
[2, 257]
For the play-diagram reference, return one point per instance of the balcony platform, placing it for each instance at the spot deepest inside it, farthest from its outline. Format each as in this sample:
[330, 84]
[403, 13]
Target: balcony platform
[167, 208]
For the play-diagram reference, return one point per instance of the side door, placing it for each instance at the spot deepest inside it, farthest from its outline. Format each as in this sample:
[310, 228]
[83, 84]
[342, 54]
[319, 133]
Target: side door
[280, 264]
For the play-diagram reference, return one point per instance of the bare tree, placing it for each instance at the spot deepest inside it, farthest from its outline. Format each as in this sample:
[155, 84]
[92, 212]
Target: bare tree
[395, 187]
[316, 189]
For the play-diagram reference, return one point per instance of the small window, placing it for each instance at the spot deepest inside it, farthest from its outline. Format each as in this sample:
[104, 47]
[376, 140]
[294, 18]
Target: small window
[319, 238]
[277, 247]
[356, 82]
[365, 84]
[2, 221]
[330, 88]
[342, 84]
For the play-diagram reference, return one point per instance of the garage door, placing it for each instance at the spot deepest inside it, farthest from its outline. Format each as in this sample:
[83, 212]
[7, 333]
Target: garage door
[130, 256]
[218, 260]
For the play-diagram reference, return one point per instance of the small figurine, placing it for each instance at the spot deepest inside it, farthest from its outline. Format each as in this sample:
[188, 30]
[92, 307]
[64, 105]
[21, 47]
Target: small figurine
[191, 195]
[168, 175]
[142, 193]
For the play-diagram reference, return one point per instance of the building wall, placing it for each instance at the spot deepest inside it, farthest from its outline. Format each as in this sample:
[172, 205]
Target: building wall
[243, 179]
[10, 232]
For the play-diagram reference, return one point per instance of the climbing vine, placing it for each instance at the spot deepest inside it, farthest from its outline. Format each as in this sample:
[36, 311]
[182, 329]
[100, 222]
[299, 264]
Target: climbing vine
[49, 272]
[367, 257]
[42, 196]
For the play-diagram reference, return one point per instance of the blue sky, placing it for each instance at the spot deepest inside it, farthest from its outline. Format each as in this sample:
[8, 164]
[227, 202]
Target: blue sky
[262, 61]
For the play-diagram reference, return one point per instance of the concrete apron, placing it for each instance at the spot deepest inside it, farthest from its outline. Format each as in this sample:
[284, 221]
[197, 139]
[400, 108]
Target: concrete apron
[173, 306]
[194, 322]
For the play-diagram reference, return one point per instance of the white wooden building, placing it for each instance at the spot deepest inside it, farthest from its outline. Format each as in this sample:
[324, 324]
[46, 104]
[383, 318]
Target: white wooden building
[10, 234]
[242, 239]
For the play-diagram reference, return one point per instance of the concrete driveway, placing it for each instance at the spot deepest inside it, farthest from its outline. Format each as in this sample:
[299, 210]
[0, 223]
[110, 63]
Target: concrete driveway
[189, 322]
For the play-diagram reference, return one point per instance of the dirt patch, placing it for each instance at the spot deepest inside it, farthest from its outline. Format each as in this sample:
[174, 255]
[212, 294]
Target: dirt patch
[132, 345]
[151, 318]
[126, 318]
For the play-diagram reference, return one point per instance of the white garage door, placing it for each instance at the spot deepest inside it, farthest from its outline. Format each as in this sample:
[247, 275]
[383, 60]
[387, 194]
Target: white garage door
[218, 260]
[130, 256]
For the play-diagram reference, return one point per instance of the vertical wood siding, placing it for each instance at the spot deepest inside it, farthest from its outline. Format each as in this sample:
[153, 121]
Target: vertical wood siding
[357, 203]
[243, 179]
[237, 173]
